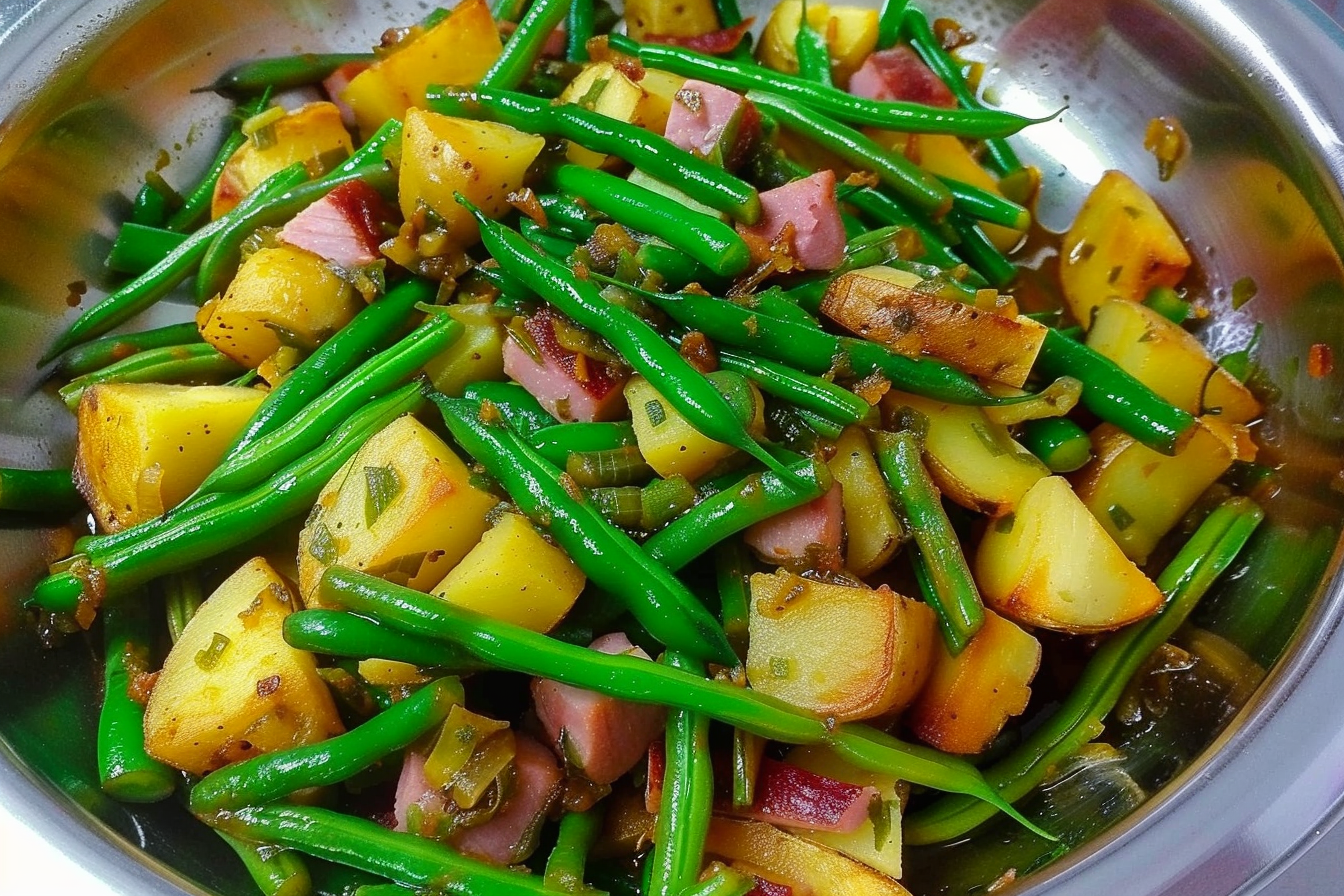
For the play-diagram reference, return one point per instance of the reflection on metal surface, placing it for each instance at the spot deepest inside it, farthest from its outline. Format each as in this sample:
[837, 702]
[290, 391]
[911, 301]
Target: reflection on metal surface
[1256, 198]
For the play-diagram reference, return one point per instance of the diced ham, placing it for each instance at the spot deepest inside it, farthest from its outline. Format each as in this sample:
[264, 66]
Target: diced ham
[899, 74]
[604, 737]
[344, 227]
[568, 388]
[788, 535]
[336, 82]
[714, 43]
[791, 797]
[706, 117]
[808, 204]
[511, 835]
[413, 790]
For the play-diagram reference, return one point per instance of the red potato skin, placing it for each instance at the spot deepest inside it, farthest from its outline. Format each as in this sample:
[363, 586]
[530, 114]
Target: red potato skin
[603, 736]
[336, 82]
[345, 227]
[899, 74]
[715, 43]
[791, 797]
[554, 380]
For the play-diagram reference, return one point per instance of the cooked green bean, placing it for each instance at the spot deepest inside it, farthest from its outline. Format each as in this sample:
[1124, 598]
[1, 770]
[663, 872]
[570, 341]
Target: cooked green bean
[138, 248]
[275, 872]
[182, 597]
[195, 362]
[568, 859]
[814, 57]
[1168, 303]
[196, 204]
[344, 634]
[39, 491]
[556, 443]
[688, 797]
[982, 205]
[980, 252]
[1061, 444]
[578, 29]
[889, 23]
[125, 771]
[517, 405]
[525, 44]
[282, 72]
[99, 353]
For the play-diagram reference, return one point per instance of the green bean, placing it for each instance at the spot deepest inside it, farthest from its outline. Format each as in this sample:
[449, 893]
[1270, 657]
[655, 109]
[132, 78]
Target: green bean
[194, 362]
[274, 776]
[889, 23]
[814, 57]
[555, 246]
[125, 771]
[1208, 553]
[694, 397]
[883, 209]
[370, 330]
[39, 491]
[707, 240]
[688, 797]
[282, 72]
[725, 882]
[517, 405]
[980, 252]
[578, 29]
[525, 45]
[606, 555]
[209, 526]
[220, 262]
[373, 379]
[915, 26]
[1114, 395]
[744, 75]
[730, 16]
[516, 649]
[344, 634]
[912, 183]
[408, 859]
[385, 890]
[1168, 303]
[653, 154]
[953, 595]
[569, 213]
[1061, 444]
[151, 204]
[732, 569]
[567, 861]
[982, 205]
[811, 393]
[605, 469]
[508, 10]
[275, 872]
[197, 203]
[758, 496]
[556, 443]
[182, 597]
[138, 248]
[143, 291]
[98, 353]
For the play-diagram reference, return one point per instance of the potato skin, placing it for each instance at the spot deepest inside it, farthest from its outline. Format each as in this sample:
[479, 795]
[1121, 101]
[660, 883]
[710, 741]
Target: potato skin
[257, 694]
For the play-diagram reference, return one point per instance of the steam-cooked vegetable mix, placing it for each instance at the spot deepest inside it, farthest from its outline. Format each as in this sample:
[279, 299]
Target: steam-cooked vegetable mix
[685, 486]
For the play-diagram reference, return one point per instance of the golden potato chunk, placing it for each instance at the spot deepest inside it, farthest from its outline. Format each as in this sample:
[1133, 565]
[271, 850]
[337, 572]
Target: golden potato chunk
[668, 442]
[144, 447]
[846, 653]
[672, 18]
[872, 531]
[402, 508]
[231, 687]
[850, 32]
[312, 134]
[1121, 246]
[1051, 564]
[282, 296]
[443, 156]
[785, 858]
[877, 845]
[456, 51]
[477, 355]
[970, 697]
[607, 90]
[516, 575]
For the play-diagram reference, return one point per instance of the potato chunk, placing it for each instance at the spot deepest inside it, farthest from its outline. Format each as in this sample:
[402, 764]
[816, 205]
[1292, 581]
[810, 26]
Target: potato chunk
[847, 653]
[1051, 564]
[668, 442]
[402, 508]
[877, 845]
[443, 156]
[516, 575]
[1120, 245]
[784, 858]
[458, 50]
[312, 134]
[1169, 360]
[477, 355]
[231, 688]
[607, 90]
[872, 531]
[969, 697]
[1138, 495]
[675, 18]
[144, 447]
[850, 32]
[280, 296]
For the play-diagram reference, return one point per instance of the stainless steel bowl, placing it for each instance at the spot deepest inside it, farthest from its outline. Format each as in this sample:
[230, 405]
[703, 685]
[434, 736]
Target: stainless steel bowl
[90, 92]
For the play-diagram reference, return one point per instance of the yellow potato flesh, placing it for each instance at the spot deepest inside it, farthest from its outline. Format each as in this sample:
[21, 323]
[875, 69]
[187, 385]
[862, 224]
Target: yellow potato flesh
[1121, 246]
[477, 355]
[144, 447]
[281, 296]
[970, 697]
[443, 156]
[430, 514]
[948, 156]
[605, 89]
[515, 575]
[312, 134]
[973, 460]
[878, 850]
[1139, 495]
[231, 687]
[872, 531]
[673, 18]
[457, 51]
[787, 859]
[1169, 360]
[669, 443]
[850, 33]
[795, 626]
[1051, 564]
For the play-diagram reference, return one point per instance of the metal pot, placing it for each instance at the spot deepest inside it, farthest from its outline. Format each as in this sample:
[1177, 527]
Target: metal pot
[90, 92]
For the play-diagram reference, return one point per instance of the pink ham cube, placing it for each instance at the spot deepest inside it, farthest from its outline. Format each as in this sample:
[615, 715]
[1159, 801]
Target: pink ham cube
[604, 737]
[705, 117]
[808, 204]
[787, 536]
[345, 227]
[791, 797]
[568, 387]
[899, 74]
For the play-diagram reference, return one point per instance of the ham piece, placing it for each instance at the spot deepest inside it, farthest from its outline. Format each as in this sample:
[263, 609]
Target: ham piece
[602, 736]
[344, 227]
[808, 204]
[566, 387]
[788, 535]
[899, 74]
[706, 117]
